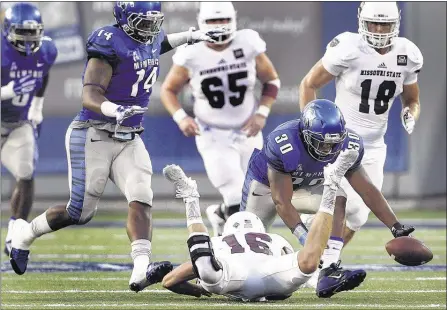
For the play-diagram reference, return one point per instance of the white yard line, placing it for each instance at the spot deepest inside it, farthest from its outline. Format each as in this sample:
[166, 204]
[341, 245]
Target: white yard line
[220, 305]
[166, 291]
[126, 278]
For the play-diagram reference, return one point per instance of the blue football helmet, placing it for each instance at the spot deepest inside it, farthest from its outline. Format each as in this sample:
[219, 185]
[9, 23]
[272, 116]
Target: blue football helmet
[323, 128]
[139, 20]
[23, 27]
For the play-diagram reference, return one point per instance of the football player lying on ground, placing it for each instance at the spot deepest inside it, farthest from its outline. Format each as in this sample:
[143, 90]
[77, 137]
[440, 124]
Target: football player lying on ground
[247, 263]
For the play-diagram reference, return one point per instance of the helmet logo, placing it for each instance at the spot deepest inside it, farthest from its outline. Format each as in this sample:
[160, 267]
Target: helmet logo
[30, 22]
[332, 137]
[309, 116]
[124, 4]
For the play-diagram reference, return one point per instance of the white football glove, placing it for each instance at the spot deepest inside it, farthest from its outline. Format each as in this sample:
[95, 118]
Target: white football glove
[210, 36]
[123, 112]
[334, 173]
[407, 119]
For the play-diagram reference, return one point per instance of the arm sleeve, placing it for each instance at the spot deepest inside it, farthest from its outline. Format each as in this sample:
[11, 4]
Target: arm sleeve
[335, 58]
[181, 58]
[274, 160]
[358, 162]
[258, 44]
[415, 63]
[52, 51]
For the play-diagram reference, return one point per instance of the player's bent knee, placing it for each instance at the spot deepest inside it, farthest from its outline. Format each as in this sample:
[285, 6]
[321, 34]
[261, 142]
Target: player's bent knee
[232, 195]
[25, 171]
[140, 191]
[203, 260]
[355, 220]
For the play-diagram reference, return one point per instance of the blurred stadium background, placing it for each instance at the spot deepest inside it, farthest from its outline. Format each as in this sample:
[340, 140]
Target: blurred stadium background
[296, 34]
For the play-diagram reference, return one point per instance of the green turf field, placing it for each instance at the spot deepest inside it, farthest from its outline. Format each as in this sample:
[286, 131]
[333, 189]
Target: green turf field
[109, 289]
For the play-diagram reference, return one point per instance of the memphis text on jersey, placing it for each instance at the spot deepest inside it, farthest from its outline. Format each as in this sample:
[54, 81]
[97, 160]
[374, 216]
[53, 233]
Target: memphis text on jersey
[15, 73]
[393, 74]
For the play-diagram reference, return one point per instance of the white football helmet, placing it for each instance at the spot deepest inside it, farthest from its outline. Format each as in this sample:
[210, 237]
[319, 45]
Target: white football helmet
[379, 12]
[243, 221]
[218, 10]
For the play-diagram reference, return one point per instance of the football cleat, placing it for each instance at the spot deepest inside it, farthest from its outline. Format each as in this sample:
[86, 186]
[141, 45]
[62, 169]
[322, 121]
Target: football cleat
[157, 271]
[216, 218]
[19, 260]
[335, 279]
[184, 187]
[20, 244]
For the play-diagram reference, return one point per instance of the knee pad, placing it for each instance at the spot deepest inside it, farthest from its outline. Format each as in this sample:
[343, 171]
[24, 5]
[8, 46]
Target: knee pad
[231, 193]
[356, 214]
[139, 191]
[25, 170]
[200, 246]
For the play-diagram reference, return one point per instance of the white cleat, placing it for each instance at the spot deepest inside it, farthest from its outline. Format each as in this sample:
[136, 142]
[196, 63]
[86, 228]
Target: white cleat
[216, 221]
[185, 187]
[21, 235]
[138, 279]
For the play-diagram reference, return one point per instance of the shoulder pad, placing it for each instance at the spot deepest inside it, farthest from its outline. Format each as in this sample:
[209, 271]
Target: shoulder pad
[184, 54]
[49, 50]
[345, 45]
[253, 39]
[103, 42]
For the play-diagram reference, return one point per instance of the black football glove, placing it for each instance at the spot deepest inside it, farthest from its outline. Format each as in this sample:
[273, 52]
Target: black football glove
[399, 230]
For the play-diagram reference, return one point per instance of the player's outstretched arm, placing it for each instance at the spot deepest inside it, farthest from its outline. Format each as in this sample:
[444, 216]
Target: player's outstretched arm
[191, 36]
[315, 79]
[96, 80]
[177, 281]
[374, 199]
[171, 87]
[411, 106]
[281, 187]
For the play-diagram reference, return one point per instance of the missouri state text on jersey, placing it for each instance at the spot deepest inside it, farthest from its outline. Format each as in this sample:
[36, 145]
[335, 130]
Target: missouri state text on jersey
[222, 82]
[15, 66]
[367, 83]
[285, 151]
[135, 70]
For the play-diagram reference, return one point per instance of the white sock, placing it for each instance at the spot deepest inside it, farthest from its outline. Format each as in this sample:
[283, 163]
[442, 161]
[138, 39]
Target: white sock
[332, 253]
[10, 224]
[192, 207]
[141, 254]
[39, 226]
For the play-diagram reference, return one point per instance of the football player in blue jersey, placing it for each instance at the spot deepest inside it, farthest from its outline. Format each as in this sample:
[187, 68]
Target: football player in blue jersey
[290, 168]
[103, 141]
[27, 56]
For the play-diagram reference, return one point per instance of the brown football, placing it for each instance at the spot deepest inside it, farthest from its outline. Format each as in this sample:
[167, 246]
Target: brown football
[409, 251]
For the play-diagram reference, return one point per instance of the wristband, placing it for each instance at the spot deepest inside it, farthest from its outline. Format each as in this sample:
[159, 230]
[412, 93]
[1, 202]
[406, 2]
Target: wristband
[179, 115]
[109, 108]
[263, 110]
[300, 232]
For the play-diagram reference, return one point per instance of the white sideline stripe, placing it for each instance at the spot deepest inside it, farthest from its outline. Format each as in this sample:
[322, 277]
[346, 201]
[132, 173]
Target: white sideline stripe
[166, 291]
[220, 305]
[125, 279]
[126, 256]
